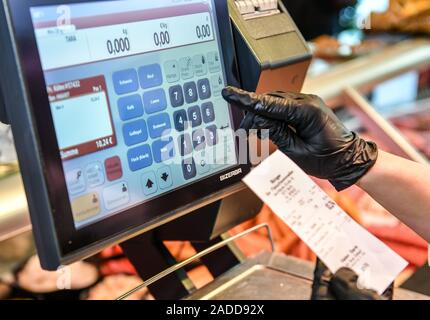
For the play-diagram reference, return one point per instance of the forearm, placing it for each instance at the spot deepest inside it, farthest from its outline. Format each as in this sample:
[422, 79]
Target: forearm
[403, 188]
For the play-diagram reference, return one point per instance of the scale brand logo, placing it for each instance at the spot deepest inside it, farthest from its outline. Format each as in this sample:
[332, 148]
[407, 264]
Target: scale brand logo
[230, 175]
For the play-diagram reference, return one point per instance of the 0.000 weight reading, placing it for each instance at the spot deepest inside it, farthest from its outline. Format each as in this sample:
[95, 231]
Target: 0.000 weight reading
[118, 45]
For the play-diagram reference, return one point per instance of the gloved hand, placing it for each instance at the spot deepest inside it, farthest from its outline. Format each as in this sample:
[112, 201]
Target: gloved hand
[342, 286]
[307, 131]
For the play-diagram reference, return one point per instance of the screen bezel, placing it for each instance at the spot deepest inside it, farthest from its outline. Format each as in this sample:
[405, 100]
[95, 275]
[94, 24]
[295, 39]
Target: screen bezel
[70, 240]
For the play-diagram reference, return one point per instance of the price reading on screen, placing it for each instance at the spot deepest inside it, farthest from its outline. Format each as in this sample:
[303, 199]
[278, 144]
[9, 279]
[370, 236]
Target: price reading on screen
[203, 32]
[104, 143]
[162, 37]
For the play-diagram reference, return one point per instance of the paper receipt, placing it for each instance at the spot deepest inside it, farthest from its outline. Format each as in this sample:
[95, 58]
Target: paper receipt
[332, 234]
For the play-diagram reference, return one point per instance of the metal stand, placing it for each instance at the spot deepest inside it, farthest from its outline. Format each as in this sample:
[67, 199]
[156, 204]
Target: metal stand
[179, 266]
[268, 276]
[150, 257]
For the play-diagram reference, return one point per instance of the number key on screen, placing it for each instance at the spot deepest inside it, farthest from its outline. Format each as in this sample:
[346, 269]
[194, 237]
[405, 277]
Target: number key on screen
[195, 116]
[212, 135]
[199, 140]
[190, 91]
[176, 96]
[204, 89]
[185, 144]
[181, 120]
[208, 112]
[189, 168]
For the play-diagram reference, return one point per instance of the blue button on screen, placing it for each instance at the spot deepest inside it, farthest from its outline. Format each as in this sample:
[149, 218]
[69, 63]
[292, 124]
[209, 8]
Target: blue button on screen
[125, 81]
[163, 150]
[159, 125]
[154, 101]
[150, 76]
[130, 107]
[135, 132]
[139, 158]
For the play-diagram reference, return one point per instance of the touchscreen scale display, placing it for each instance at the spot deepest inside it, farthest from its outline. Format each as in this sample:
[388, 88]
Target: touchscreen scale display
[135, 95]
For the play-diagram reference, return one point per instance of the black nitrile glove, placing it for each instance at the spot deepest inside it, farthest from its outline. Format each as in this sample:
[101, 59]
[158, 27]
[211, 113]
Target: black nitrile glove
[308, 132]
[342, 286]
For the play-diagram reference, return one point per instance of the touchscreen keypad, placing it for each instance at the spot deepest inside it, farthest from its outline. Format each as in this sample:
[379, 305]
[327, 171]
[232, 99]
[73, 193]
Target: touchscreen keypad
[137, 119]
[157, 98]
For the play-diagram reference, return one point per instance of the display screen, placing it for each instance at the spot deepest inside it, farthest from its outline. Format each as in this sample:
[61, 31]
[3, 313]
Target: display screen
[135, 96]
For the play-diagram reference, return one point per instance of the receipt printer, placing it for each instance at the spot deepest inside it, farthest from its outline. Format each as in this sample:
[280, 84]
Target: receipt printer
[272, 54]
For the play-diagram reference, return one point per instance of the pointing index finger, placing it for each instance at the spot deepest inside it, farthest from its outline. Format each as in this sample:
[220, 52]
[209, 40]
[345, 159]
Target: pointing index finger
[274, 106]
[241, 98]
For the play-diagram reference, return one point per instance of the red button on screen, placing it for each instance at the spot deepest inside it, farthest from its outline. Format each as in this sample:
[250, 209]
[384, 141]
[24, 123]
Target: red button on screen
[113, 168]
